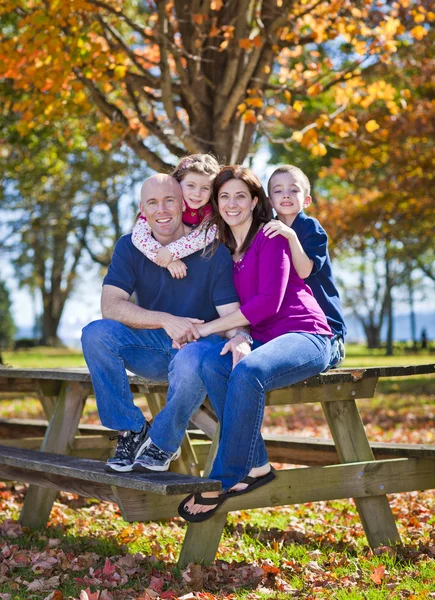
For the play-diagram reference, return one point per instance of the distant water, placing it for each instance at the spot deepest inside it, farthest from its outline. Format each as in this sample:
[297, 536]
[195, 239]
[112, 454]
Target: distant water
[402, 327]
[402, 330]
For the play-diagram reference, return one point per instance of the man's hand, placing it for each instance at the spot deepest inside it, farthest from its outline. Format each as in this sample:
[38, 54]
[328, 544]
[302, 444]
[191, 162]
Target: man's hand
[276, 227]
[181, 329]
[178, 269]
[163, 258]
[239, 348]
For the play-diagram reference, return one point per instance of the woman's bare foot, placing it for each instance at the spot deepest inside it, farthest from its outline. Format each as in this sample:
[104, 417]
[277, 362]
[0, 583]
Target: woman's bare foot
[194, 509]
[255, 472]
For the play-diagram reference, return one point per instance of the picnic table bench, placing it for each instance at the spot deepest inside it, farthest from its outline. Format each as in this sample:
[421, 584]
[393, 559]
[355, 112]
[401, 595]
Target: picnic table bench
[61, 454]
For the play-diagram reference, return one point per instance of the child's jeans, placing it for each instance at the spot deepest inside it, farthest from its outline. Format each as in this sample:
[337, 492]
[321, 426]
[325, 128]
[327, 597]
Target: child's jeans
[338, 352]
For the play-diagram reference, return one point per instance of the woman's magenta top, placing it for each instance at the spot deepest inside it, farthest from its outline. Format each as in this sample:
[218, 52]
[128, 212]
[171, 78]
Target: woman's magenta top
[273, 298]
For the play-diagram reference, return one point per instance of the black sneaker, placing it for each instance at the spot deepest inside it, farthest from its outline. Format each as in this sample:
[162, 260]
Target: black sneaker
[127, 448]
[154, 458]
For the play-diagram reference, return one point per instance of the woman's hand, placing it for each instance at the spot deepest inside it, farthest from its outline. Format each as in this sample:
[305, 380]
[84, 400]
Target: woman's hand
[178, 269]
[276, 227]
[204, 329]
[239, 348]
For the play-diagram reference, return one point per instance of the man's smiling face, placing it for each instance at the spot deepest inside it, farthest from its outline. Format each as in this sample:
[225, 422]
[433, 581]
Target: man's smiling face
[162, 206]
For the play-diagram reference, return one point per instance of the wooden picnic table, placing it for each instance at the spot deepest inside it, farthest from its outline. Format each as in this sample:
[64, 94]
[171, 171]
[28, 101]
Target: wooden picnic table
[344, 468]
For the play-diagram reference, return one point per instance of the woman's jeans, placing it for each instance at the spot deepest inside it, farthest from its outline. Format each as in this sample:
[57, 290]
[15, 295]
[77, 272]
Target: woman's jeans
[238, 395]
[110, 348]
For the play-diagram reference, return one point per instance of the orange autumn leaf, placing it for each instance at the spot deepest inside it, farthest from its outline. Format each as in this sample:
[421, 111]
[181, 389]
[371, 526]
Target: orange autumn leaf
[249, 116]
[199, 18]
[245, 43]
[216, 4]
[378, 574]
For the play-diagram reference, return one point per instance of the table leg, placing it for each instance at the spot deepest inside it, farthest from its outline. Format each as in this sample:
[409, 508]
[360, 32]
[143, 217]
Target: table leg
[202, 541]
[58, 439]
[353, 446]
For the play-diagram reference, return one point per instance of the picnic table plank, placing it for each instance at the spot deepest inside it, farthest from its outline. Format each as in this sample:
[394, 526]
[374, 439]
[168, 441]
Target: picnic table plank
[83, 469]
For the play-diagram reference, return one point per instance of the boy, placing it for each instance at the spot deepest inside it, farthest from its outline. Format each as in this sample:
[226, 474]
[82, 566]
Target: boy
[289, 194]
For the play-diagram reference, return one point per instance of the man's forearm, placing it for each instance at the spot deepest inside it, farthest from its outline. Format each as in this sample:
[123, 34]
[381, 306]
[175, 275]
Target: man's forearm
[130, 314]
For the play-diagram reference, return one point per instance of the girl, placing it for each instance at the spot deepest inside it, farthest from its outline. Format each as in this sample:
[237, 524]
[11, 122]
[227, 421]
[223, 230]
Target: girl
[291, 339]
[195, 174]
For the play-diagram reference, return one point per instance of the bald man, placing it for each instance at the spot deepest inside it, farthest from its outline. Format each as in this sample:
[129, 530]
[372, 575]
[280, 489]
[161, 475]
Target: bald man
[141, 337]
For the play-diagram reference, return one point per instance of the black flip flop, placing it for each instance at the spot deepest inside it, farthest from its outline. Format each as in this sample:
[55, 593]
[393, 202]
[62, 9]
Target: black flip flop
[253, 483]
[203, 516]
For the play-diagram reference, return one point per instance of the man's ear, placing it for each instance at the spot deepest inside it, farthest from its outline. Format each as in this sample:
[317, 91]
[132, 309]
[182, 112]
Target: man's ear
[141, 209]
[307, 202]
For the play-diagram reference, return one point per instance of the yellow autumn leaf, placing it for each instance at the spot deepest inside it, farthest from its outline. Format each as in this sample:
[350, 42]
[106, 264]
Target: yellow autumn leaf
[298, 106]
[319, 150]
[297, 136]
[418, 32]
[241, 108]
[120, 71]
[372, 125]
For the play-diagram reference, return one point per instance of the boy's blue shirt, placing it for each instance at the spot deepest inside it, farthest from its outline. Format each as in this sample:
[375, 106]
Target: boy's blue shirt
[209, 281]
[314, 241]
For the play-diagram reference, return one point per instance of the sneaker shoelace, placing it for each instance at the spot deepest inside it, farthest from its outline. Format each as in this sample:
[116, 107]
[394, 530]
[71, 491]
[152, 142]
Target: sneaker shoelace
[154, 452]
[125, 446]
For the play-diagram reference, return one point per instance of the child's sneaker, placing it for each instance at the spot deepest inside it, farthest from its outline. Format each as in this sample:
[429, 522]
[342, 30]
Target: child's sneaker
[129, 444]
[154, 459]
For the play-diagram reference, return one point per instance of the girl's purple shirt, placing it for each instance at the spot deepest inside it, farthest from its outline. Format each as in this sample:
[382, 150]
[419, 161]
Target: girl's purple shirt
[273, 298]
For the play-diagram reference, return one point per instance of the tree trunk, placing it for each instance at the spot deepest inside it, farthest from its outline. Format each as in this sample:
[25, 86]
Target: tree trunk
[389, 306]
[53, 307]
[373, 335]
[412, 321]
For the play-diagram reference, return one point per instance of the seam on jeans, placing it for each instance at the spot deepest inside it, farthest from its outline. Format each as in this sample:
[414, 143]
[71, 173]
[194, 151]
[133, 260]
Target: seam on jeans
[295, 367]
[257, 430]
[124, 375]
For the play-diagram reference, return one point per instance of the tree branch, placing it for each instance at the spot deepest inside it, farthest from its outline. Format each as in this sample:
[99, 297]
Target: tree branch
[166, 84]
[239, 89]
[115, 114]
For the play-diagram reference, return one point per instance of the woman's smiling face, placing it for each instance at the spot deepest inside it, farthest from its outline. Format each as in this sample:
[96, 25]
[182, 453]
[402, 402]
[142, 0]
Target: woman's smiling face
[235, 203]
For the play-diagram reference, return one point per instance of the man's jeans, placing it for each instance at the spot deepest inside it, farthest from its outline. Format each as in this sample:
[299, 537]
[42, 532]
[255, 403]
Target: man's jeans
[238, 395]
[110, 348]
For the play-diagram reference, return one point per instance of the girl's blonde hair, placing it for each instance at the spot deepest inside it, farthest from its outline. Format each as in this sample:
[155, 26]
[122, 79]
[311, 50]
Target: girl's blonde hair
[203, 164]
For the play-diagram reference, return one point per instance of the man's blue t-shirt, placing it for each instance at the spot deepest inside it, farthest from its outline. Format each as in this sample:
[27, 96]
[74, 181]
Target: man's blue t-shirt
[314, 241]
[209, 281]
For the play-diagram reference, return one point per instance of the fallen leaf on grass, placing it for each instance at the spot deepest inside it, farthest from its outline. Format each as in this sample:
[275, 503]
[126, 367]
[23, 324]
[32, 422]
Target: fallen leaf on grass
[43, 585]
[11, 529]
[194, 577]
[56, 595]
[378, 574]
[384, 550]
[5, 597]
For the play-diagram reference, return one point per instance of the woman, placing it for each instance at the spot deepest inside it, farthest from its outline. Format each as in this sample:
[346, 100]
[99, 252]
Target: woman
[291, 339]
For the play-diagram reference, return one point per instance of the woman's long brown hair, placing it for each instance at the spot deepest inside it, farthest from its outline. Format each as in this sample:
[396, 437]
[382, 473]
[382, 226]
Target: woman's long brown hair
[262, 212]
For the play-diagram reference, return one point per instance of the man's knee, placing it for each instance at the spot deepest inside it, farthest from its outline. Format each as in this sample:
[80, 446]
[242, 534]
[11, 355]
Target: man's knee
[99, 333]
[187, 362]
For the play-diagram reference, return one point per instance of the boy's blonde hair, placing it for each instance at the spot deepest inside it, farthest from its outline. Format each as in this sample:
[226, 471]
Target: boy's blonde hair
[203, 164]
[293, 170]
